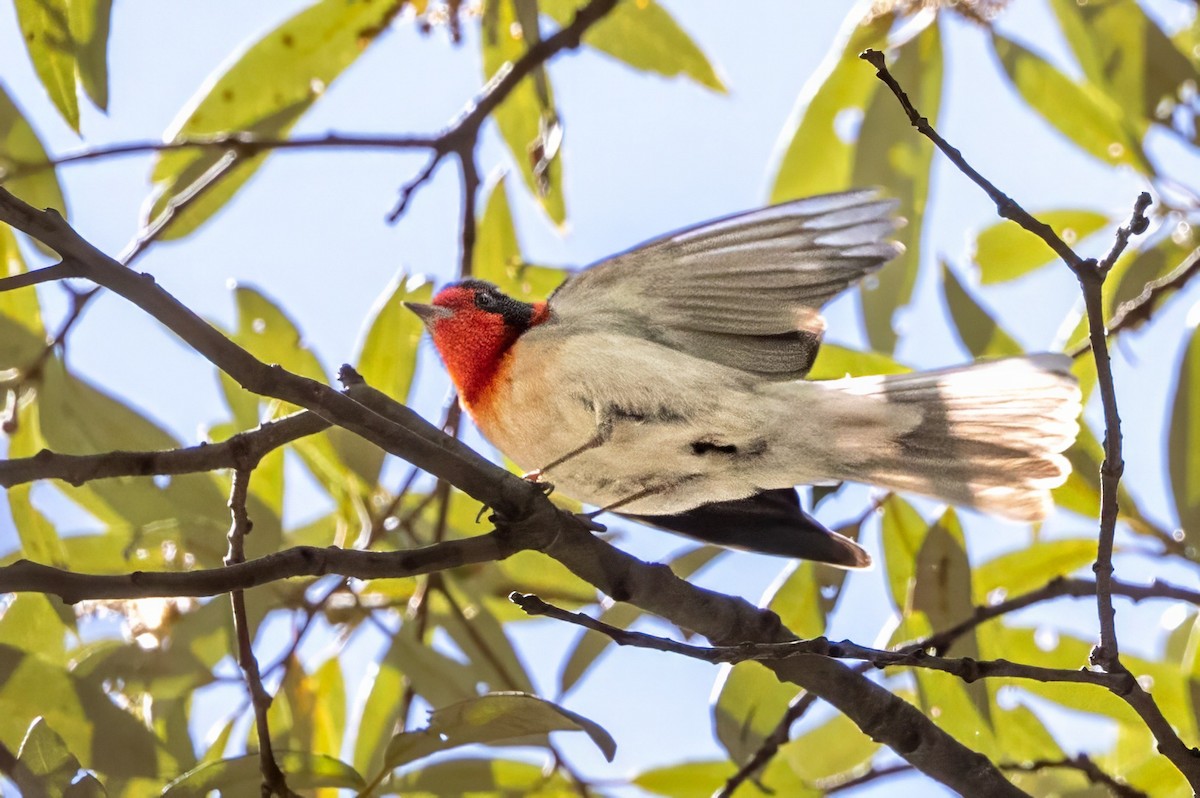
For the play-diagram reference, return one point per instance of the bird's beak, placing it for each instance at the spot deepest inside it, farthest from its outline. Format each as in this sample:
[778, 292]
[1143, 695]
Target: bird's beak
[428, 313]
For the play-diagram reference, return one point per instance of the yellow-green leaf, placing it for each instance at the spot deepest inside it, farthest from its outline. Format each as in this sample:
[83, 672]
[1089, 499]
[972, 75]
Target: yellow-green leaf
[834, 362]
[750, 702]
[980, 333]
[21, 152]
[89, 23]
[46, 30]
[903, 533]
[495, 718]
[1183, 443]
[498, 256]
[644, 36]
[527, 118]
[835, 748]
[243, 775]
[1005, 250]
[46, 756]
[387, 355]
[262, 93]
[819, 154]
[1079, 111]
[1031, 567]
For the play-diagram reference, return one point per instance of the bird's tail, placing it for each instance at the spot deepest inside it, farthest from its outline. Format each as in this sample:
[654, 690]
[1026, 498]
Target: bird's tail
[988, 435]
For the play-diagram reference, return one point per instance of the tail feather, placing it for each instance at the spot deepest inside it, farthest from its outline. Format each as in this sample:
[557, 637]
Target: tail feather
[988, 435]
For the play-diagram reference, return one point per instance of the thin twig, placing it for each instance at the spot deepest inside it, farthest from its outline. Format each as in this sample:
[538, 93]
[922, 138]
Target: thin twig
[243, 449]
[58, 271]
[1137, 311]
[274, 782]
[1106, 654]
[1084, 764]
[770, 746]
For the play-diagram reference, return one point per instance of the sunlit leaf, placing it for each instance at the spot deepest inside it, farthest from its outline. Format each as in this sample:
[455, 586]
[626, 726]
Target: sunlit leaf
[46, 756]
[527, 119]
[688, 780]
[387, 356]
[953, 705]
[1122, 50]
[644, 36]
[891, 154]
[263, 93]
[1079, 111]
[378, 707]
[30, 623]
[483, 641]
[590, 645]
[980, 333]
[821, 140]
[834, 362]
[482, 777]
[1031, 566]
[806, 592]
[243, 775]
[89, 24]
[835, 748]
[903, 534]
[1183, 444]
[498, 256]
[750, 702]
[102, 736]
[496, 718]
[1005, 250]
[45, 29]
[1022, 737]
[20, 150]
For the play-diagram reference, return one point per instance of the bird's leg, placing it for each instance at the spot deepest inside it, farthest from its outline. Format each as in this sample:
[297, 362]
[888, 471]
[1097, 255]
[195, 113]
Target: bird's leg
[604, 429]
[653, 490]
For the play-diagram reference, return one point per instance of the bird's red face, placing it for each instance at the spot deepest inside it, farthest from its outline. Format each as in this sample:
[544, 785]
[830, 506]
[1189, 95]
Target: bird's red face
[473, 326]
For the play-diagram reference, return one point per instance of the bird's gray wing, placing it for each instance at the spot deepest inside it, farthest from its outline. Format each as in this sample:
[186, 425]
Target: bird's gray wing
[744, 291]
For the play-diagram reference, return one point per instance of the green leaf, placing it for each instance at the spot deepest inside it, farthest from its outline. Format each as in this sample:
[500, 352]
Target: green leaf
[31, 624]
[1006, 250]
[642, 35]
[527, 118]
[955, 707]
[1031, 567]
[980, 333]
[818, 158]
[262, 93]
[498, 256]
[482, 777]
[1022, 737]
[508, 718]
[806, 593]
[242, 775]
[891, 154]
[89, 23]
[39, 539]
[687, 780]
[379, 698]
[102, 736]
[482, 639]
[45, 755]
[903, 533]
[836, 748]
[590, 645]
[1123, 51]
[22, 151]
[1079, 111]
[45, 29]
[1183, 442]
[387, 356]
[835, 362]
[750, 702]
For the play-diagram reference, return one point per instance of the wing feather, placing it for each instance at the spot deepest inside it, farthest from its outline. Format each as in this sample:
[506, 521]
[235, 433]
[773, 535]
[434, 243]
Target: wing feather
[742, 291]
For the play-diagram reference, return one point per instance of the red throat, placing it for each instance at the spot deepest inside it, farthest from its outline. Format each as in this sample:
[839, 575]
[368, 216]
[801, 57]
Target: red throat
[475, 346]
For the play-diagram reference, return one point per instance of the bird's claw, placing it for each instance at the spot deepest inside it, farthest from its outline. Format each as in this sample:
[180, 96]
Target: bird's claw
[536, 477]
[590, 522]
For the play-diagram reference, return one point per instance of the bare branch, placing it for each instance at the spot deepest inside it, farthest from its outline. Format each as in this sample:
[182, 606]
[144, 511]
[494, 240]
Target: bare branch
[25, 576]
[274, 782]
[242, 450]
[1137, 311]
[1091, 276]
[59, 271]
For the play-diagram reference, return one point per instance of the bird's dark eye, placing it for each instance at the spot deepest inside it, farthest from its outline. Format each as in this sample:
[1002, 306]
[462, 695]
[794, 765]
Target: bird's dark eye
[486, 300]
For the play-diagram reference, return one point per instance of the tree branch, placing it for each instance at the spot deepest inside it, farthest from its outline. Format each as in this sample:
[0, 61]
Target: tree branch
[1090, 275]
[242, 450]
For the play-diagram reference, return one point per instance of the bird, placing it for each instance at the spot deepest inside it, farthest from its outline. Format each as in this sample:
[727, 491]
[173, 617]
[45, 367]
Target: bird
[667, 384]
